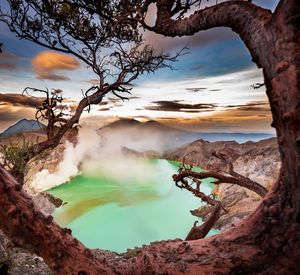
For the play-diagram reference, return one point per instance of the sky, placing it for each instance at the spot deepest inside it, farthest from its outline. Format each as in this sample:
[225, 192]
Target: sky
[208, 90]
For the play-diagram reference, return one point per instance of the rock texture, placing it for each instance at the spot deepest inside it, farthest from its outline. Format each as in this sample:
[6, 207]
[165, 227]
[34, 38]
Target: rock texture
[14, 260]
[48, 160]
[257, 160]
[17, 261]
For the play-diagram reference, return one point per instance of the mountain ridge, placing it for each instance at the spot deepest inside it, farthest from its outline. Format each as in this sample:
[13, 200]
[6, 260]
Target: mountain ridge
[21, 126]
[174, 137]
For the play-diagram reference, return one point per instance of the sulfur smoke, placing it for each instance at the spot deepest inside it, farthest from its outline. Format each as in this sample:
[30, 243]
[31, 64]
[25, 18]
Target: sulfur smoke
[100, 154]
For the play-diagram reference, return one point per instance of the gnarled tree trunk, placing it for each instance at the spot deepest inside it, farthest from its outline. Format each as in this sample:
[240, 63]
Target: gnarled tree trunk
[268, 241]
[274, 43]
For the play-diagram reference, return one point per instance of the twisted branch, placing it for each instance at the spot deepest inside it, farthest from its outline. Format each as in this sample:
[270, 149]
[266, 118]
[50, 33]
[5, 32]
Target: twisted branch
[191, 181]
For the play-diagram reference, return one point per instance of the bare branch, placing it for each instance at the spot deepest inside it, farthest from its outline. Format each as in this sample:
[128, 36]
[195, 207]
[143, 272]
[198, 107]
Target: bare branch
[191, 181]
[221, 178]
[257, 85]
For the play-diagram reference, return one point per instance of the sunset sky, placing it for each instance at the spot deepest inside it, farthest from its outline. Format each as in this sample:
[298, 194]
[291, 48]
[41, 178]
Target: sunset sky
[209, 89]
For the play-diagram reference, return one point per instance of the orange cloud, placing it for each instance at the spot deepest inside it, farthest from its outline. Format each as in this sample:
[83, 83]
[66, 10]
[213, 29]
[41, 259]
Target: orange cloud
[47, 63]
[251, 117]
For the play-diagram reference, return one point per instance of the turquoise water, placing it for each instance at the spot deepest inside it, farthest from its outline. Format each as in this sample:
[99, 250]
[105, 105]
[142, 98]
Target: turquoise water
[109, 214]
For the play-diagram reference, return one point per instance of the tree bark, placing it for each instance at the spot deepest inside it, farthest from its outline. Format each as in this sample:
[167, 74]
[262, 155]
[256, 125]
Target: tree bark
[29, 228]
[274, 42]
[199, 232]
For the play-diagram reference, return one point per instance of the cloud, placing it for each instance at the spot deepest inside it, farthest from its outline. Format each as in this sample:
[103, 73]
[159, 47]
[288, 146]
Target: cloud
[20, 100]
[195, 90]
[103, 103]
[7, 66]
[198, 40]
[116, 101]
[47, 63]
[7, 59]
[8, 56]
[254, 116]
[255, 106]
[93, 81]
[178, 106]
[104, 109]
[10, 114]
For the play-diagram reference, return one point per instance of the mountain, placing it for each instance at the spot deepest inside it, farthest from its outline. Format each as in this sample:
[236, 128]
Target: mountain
[167, 137]
[157, 126]
[22, 126]
[128, 123]
[200, 152]
[124, 122]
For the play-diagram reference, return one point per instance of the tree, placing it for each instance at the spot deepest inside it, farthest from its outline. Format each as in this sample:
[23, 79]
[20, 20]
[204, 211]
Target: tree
[273, 40]
[115, 53]
[268, 241]
[13, 157]
[51, 109]
[15, 153]
[191, 181]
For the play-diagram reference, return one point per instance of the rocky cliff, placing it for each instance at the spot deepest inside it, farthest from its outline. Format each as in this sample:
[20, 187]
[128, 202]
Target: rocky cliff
[259, 161]
[48, 160]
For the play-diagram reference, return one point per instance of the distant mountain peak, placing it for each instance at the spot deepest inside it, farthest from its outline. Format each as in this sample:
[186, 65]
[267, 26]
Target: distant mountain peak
[150, 125]
[21, 126]
[124, 122]
[152, 121]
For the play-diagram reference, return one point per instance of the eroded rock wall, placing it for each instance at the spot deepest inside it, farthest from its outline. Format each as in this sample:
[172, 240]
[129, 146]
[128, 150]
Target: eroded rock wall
[259, 161]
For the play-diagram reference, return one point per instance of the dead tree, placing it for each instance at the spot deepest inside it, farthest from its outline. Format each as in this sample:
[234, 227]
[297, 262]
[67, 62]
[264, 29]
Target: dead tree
[191, 181]
[268, 241]
[51, 109]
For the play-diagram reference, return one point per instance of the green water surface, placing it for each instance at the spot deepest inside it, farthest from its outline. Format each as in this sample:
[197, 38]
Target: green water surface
[109, 214]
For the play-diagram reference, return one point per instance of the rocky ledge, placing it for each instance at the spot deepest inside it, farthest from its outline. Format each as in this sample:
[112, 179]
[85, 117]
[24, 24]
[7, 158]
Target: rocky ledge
[258, 161]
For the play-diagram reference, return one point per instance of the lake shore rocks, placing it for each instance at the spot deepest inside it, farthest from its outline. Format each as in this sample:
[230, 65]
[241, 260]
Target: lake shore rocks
[259, 161]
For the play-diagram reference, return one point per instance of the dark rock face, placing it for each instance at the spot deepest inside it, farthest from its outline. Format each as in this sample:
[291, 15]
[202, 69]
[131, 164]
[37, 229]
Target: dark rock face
[17, 261]
[259, 161]
[46, 202]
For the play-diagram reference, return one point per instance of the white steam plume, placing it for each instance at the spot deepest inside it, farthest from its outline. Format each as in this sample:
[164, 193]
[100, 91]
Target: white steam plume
[101, 155]
[88, 144]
